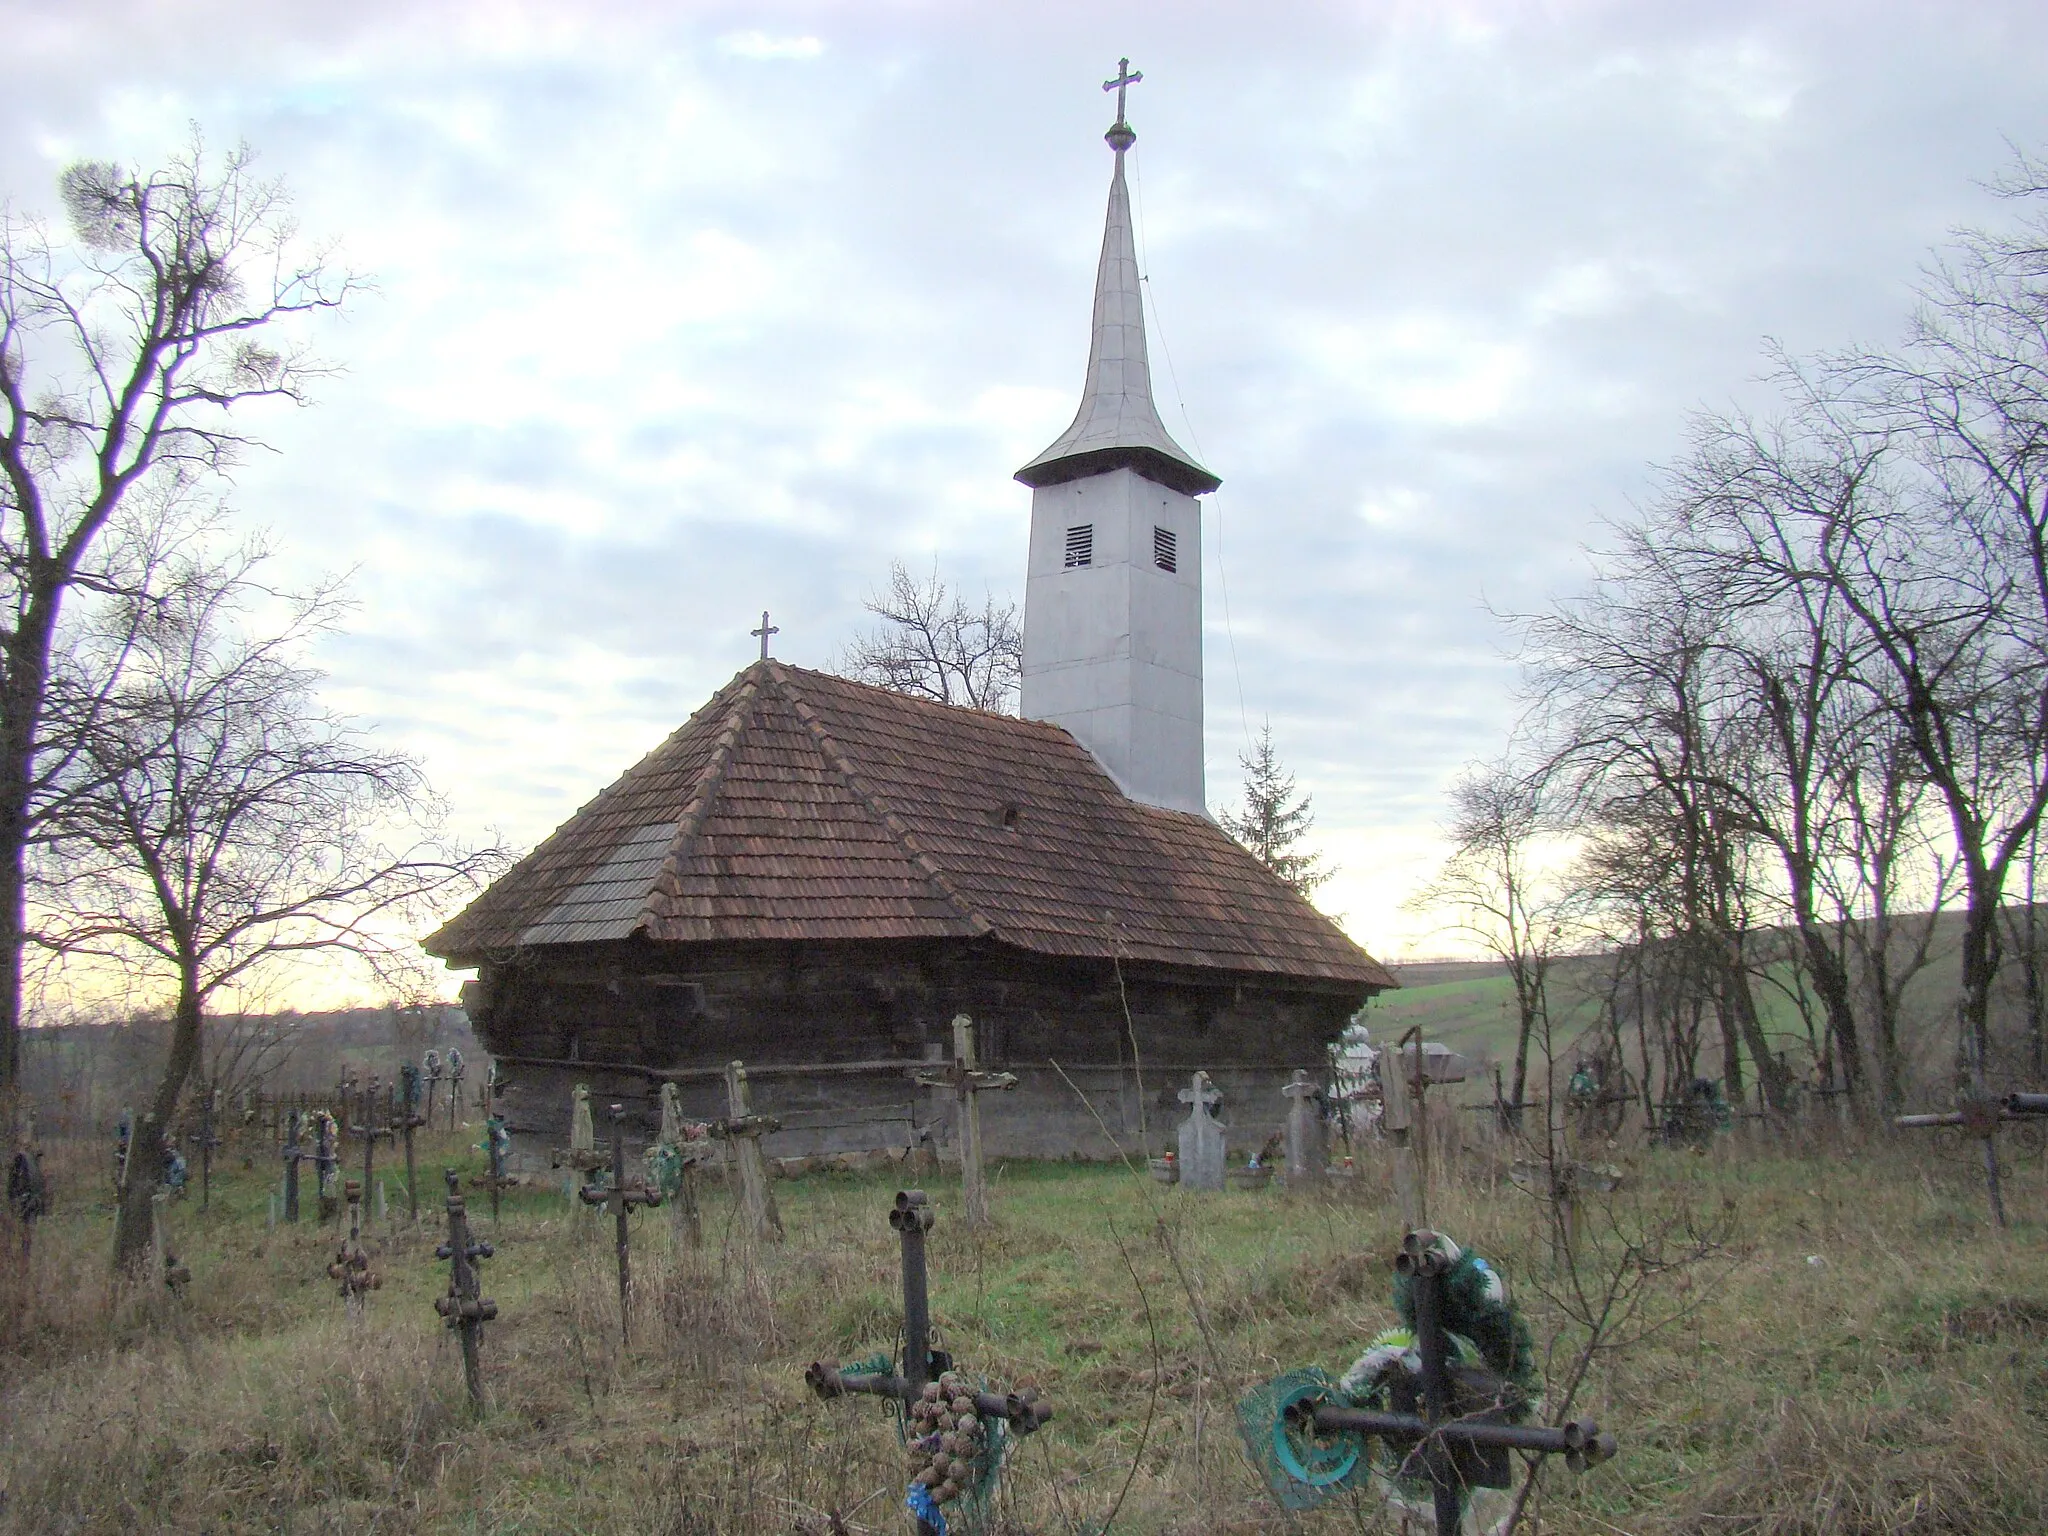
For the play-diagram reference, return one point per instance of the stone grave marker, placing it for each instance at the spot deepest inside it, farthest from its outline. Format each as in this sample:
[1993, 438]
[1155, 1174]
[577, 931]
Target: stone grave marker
[1307, 1163]
[1201, 1138]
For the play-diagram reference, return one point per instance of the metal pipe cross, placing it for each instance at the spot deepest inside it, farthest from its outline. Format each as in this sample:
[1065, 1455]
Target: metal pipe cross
[925, 1377]
[351, 1265]
[370, 1131]
[1981, 1119]
[465, 1308]
[621, 1201]
[1461, 1437]
[293, 1153]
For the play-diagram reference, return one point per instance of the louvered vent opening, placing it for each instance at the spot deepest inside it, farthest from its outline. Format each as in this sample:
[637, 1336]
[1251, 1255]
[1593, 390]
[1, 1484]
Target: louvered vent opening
[1165, 552]
[1081, 545]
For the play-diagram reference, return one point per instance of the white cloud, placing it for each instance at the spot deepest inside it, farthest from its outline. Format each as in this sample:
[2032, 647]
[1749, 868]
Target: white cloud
[661, 340]
[760, 45]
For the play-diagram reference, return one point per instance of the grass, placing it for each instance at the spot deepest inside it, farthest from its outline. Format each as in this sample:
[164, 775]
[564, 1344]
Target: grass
[1865, 1356]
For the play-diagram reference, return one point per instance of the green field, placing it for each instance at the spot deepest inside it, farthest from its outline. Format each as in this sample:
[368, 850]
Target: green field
[1862, 1354]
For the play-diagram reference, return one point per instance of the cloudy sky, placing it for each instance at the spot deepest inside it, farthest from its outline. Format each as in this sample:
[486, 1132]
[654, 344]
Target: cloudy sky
[683, 311]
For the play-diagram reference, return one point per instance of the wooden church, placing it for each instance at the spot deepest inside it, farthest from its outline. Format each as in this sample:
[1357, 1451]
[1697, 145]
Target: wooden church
[815, 876]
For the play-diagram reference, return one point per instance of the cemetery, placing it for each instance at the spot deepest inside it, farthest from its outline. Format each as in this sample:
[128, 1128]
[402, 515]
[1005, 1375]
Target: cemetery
[881, 1110]
[1699, 1337]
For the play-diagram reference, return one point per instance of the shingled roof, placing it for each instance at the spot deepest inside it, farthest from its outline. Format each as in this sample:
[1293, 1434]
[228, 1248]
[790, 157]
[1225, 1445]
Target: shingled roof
[800, 806]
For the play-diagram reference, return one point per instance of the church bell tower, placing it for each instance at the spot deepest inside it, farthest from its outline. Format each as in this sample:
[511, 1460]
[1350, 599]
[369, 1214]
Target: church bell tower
[1113, 595]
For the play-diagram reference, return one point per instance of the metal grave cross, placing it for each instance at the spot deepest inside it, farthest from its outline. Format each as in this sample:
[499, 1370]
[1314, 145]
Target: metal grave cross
[465, 1307]
[326, 1158]
[497, 1180]
[412, 1120]
[968, 1083]
[1123, 81]
[926, 1372]
[293, 1152]
[764, 632]
[370, 1131]
[206, 1140]
[351, 1265]
[1201, 1138]
[741, 1130]
[621, 1201]
[1452, 1424]
[457, 1067]
[1980, 1118]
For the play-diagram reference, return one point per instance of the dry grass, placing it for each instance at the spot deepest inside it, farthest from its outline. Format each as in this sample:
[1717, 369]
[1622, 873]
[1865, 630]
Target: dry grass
[1896, 1385]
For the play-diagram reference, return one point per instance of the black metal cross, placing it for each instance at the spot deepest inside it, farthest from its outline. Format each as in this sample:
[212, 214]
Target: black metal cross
[351, 1265]
[293, 1151]
[1461, 1438]
[371, 1132]
[764, 632]
[465, 1307]
[1123, 81]
[621, 1201]
[911, 1217]
[205, 1139]
[1981, 1118]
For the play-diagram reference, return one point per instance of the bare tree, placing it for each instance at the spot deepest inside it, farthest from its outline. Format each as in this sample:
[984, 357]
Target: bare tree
[1496, 883]
[219, 821]
[128, 358]
[933, 645]
[1271, 821]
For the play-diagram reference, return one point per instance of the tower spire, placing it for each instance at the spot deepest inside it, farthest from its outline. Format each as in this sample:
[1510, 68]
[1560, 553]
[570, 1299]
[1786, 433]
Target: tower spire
[1118, 424]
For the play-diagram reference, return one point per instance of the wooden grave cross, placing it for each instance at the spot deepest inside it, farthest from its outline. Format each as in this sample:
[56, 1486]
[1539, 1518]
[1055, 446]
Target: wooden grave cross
[967, 1083]
[1981, 1118]
[741, 1130]
[1201, 1138]
[687, 1147]
[465, 1308]
[621, 1200]
[1306, 1164]
[371, 1132]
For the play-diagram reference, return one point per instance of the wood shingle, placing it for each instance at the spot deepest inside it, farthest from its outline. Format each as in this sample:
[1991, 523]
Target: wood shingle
[799, 806]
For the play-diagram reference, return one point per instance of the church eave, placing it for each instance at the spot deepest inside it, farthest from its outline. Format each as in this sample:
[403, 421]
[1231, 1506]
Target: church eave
[1161, 468]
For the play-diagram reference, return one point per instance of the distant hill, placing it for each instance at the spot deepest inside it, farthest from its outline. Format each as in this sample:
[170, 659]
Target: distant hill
[1469, 1005]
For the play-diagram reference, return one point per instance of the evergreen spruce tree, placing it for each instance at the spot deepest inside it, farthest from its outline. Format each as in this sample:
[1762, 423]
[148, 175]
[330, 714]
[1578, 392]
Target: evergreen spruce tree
[1272, 821]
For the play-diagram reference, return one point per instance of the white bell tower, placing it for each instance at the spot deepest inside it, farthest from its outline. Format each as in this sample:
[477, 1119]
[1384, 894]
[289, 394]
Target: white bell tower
[1113, 595]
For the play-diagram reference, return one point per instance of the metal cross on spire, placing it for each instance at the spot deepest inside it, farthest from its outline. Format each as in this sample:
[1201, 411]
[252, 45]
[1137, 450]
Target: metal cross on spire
[1123, 81]
[764, 632]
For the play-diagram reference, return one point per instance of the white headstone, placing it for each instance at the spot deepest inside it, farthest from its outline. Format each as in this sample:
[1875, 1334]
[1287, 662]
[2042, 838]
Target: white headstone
[1201, 1138]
